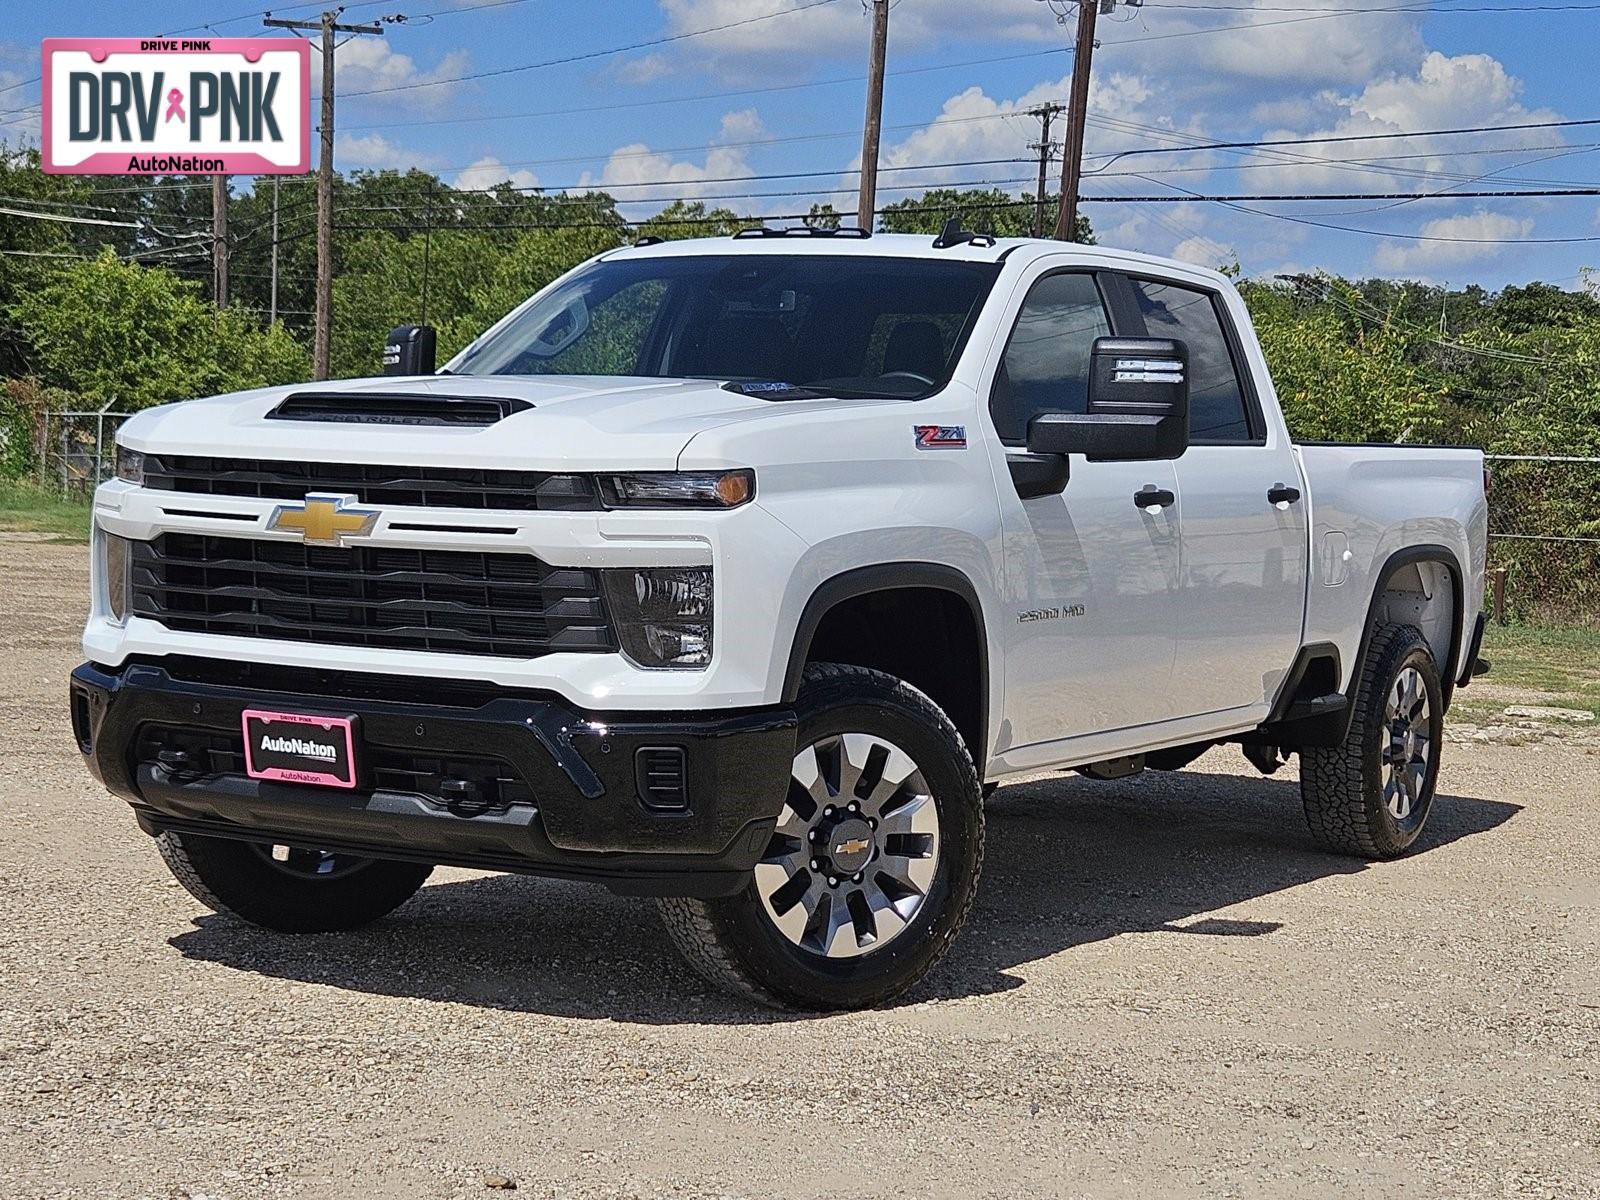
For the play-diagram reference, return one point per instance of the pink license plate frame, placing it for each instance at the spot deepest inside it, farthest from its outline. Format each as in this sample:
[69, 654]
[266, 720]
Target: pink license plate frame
[299, 726]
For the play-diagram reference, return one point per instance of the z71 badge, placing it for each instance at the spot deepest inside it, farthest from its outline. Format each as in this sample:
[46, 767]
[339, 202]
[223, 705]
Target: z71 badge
[940, 437]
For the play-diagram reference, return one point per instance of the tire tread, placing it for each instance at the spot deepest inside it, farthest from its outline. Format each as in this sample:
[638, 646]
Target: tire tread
[693, 928]
[1334, 780]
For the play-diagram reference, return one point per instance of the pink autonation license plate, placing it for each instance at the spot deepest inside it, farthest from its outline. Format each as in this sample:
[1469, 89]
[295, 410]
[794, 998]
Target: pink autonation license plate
[293, 748]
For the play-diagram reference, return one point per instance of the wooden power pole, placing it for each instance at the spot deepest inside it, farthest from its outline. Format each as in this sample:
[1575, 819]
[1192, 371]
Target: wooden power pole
[328, 25]
[1077, 113]
[1046, 148]
[219, 240]
[866, 210]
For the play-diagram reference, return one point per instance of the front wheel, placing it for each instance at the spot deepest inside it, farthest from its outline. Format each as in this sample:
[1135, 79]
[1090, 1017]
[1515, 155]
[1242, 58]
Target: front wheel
[289, 888]
[874, 862]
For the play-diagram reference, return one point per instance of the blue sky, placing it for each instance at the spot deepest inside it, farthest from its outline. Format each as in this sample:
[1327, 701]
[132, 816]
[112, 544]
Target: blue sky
[708, 115]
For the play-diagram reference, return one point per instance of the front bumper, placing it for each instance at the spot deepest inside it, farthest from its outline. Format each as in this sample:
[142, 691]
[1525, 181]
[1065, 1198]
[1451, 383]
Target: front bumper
[458, 775]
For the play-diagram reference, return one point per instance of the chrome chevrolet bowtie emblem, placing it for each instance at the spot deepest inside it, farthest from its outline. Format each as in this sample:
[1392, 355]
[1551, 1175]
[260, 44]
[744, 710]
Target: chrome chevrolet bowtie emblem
[323, 520]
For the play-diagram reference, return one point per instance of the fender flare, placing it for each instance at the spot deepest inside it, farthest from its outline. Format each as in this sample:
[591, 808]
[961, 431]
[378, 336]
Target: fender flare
[1396, 562]
[886, 577]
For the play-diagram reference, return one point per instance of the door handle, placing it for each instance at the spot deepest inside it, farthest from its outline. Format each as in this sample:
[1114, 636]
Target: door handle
[1282, 495]
[1149, 498]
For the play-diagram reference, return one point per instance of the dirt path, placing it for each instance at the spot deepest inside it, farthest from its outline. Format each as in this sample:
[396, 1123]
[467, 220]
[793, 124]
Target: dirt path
[1164, 992]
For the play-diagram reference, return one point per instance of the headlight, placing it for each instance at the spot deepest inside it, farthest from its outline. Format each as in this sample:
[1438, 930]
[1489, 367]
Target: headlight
[117, 576]
[679, 489]
[130, 465]
[662, 615]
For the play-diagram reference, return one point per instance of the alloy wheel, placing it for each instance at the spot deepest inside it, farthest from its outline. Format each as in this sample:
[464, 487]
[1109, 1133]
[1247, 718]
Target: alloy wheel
[1408, 744]
[856, 847]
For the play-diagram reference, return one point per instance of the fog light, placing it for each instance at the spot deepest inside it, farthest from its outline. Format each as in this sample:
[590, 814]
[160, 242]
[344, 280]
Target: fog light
[662, 614]
[116, 576]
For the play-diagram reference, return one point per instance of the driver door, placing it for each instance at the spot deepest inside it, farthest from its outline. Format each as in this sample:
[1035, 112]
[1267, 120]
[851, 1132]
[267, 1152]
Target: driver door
[1090, 576]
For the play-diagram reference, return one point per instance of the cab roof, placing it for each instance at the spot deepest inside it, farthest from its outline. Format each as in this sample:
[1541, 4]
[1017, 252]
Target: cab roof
[982, 248]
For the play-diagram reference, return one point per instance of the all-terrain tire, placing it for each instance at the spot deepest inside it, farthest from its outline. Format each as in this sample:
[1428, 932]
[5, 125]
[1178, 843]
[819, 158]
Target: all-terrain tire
[734, 943]
[1343, 786]
[235, 877]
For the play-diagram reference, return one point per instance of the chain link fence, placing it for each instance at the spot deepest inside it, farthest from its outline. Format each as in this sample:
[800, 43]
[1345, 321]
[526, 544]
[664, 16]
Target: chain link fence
[1544, 539]
[1544, 517]
[77, 450]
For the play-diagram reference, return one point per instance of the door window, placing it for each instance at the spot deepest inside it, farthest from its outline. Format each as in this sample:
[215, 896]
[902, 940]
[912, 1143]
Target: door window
[1046, 364]
[1216, 401]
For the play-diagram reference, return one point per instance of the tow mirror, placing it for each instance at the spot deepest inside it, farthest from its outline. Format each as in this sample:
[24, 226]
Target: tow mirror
[410, 350]
[1138, 405]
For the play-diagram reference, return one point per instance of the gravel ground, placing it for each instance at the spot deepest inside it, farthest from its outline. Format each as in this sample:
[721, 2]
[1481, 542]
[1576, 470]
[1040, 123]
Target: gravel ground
[1163, 991]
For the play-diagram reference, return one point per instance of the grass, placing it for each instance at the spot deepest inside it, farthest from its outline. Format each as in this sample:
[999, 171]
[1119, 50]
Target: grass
[1561, 664]
[31, 509]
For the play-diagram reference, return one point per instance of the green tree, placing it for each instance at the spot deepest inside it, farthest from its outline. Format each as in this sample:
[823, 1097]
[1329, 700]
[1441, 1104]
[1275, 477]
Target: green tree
[132, 336]
[691, 219]
[982, 210]
[28, 246]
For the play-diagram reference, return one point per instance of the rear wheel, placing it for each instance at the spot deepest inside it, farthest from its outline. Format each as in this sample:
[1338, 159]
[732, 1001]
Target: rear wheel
[292, 889]
[873, 864]
[1371, 795]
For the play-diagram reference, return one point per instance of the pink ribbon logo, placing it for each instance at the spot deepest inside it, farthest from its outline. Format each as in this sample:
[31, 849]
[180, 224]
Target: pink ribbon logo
[174, 106]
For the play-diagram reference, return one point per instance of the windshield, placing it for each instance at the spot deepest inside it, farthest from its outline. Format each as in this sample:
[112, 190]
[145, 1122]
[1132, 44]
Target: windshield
[841, 325]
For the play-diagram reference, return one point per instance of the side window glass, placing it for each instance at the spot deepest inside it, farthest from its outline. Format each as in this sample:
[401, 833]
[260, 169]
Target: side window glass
[1216, 403]
[1046, 364]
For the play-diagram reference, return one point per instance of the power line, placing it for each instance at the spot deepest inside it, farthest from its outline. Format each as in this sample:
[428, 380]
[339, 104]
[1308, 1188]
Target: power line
[728, 95]
[1200, 197]
[592, 54]
[1350, 137]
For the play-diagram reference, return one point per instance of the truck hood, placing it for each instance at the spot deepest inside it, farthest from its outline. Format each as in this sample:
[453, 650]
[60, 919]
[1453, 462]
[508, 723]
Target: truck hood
[576, 423]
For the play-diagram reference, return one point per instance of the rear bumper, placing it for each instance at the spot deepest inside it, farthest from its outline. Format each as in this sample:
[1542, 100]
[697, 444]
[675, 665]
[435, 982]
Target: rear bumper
[536, 786]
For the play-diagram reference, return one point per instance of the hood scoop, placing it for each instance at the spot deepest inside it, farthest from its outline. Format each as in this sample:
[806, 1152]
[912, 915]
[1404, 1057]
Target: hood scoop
[763, 389]
[397, 408]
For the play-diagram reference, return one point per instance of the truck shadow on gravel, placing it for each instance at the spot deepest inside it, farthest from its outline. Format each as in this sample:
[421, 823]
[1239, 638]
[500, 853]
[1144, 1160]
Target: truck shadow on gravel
[1069, 862]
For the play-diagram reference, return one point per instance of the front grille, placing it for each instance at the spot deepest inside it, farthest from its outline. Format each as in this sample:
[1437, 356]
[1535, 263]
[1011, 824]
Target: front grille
[419, 487]
[451, 601]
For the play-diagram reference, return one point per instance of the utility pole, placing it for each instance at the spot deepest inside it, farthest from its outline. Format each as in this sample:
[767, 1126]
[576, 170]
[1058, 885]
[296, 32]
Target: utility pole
[866, 209]
[1077, 113]
[328, 25]
[272, 314]
[219, 240]
[1046, 148]
[427, 242]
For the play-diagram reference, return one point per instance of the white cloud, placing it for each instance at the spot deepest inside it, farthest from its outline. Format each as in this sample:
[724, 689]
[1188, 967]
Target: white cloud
[644, 70]
[373, 151]
[1439, 93]
[976, 128]
[1203, 252]
[366, 64]
[19, 101]
[669, 179]
[1269, 42]
[489, 172]
[1468, 236]
[835, 30]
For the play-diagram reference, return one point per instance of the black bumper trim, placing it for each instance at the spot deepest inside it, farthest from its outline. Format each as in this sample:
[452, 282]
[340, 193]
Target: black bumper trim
[586, 820]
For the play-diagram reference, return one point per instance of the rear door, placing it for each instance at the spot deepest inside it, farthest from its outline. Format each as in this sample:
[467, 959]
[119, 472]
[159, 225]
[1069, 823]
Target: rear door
[1089, 575]
[1242, 580]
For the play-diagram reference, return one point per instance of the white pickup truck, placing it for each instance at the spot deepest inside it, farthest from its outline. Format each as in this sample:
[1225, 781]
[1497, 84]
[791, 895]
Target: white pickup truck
[735, 571]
